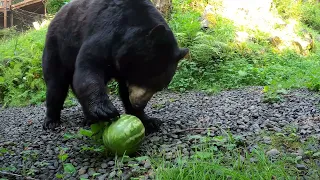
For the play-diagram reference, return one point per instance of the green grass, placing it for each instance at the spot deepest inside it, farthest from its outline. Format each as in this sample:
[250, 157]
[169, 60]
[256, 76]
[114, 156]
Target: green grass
[20, 68]
[21, 81]
[222, 158]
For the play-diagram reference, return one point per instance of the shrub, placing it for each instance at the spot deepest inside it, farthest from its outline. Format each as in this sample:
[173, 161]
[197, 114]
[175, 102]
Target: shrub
[20, 68]
[310, 14]
[54, 6]
[288, 8]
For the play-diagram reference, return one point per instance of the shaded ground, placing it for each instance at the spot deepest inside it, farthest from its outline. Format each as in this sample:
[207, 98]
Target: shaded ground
[31, 151]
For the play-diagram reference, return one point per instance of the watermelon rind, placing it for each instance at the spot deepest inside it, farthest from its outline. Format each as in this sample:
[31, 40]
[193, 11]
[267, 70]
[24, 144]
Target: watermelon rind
[124, 136]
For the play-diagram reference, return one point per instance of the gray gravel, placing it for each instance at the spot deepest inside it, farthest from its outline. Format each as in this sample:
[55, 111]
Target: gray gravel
[34, 152]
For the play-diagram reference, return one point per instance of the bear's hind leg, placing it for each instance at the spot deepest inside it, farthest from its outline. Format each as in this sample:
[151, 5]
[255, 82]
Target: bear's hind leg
[57, 83]
[55, 97]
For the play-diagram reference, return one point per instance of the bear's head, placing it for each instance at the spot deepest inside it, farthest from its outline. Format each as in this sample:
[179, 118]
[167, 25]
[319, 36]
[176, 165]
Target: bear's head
[151, 64]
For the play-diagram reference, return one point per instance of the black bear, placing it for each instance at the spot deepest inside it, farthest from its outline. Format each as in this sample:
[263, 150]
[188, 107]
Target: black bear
[89, 43]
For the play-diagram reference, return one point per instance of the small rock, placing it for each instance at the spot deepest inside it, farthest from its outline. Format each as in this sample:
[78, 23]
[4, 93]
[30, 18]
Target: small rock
[147, 165]
[303, 132]
[91, 171]
[104, 165]
[301, 167]
[277, 129]
[102, 171]
[155, 139]
[277, 115]
[103, 177]
[86, 176]
[255, 127]
[174, 136]
[300, 152]
[273, 152]
[253, 160]
[43, 176]
[269, 125]
[267, 140]
[86, 164]
[169, 155]
[111, 163]
[50, 152]
[112, 174]
[180, 143]
[51, 167]
[82, 170]
[67, 176]
[126, 176]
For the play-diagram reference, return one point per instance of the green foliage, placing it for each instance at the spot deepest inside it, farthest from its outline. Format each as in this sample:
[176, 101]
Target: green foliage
[288, 8]
[307, 11]
[218, 62]
[54, 6]
[310, 13]
[227, 157]
[185, 25]
[7, 33]
[20, 69]
[68, 168]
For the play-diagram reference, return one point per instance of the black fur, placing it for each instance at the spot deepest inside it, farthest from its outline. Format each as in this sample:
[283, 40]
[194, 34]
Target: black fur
[90, 42]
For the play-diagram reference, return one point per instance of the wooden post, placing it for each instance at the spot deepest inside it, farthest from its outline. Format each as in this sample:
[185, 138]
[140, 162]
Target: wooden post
[45, 10]
[11, 18]
[11, 13]
[5, 17]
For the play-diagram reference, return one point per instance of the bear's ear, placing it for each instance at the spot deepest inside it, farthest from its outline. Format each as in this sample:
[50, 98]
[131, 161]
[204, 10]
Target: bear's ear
[157, 32]
[183, 52]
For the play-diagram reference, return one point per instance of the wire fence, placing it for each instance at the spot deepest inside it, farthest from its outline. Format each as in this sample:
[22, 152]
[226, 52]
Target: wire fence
[23, 19]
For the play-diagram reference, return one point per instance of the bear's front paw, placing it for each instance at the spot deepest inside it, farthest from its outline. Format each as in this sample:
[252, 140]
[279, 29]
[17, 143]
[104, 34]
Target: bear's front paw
[151, 124]
[103, 111]
[49, 123]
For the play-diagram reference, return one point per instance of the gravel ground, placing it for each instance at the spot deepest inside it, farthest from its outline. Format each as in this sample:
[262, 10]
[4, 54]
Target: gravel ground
[35, 152]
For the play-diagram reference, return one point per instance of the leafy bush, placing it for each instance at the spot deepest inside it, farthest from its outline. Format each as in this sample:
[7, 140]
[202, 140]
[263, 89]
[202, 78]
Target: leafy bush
[307, 11]
[7, 33]
[20, 69]
[310, 14]
[54, 6]
[288, 8]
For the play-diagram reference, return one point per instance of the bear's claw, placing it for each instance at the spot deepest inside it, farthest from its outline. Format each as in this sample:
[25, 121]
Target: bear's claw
[151, 124]
[50, 124]
[104, 111]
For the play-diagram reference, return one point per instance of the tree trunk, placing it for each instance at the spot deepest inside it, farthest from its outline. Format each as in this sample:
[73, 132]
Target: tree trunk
[164, 6]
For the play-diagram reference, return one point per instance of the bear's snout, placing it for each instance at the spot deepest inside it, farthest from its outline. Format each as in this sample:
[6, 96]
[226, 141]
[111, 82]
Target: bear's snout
[139, 96]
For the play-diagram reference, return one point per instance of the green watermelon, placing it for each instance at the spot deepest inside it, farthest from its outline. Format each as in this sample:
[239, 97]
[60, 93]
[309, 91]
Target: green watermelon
[124, 135]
